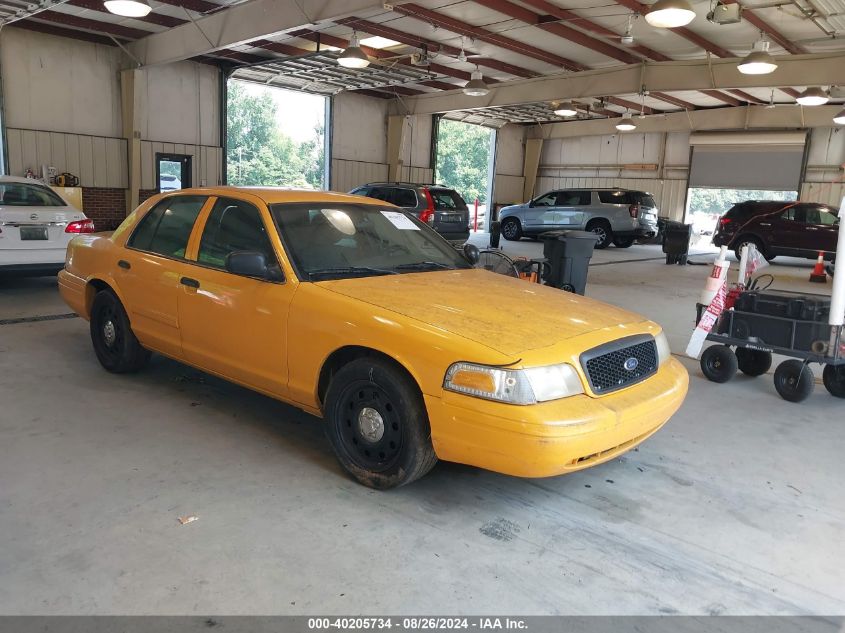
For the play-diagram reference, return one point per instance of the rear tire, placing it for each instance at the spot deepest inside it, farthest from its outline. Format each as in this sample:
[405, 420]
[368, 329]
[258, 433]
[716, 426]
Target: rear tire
[718, 363]
[753, 362]
[751, 240]
[794, 381]
[623, 242]
[834, 380]
[377, 424]
[602, 230]
[511, 229]
[115, 345]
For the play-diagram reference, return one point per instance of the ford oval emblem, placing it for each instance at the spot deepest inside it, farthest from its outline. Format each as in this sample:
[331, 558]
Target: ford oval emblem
[33, 216]
[631, 364]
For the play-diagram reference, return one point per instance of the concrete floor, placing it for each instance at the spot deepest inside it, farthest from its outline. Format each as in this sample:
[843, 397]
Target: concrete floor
[736, 507]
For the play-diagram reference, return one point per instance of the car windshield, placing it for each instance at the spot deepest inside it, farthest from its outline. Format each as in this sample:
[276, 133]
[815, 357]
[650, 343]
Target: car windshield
[20, 194]
[352, 240]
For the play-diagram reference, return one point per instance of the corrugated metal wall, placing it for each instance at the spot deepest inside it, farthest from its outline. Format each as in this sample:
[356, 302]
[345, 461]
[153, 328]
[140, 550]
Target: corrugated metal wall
[348, 174]
[98, 161]
[823, 180]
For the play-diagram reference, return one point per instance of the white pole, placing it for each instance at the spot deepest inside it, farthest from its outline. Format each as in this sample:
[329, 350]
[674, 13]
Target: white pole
[742, 279]
[837, 299]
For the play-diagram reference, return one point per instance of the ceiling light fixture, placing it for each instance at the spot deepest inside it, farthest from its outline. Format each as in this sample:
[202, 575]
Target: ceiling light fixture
[128, 8]
[628, 38]
[669, 14]
[353, 56]
[567, 108]
[626, 124]
[839, 119]
[813, 96]
[476, 87]
[759, 61]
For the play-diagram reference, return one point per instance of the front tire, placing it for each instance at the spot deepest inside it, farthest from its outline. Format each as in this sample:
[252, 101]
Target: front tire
[718, 363]
[377, 424]
[834, 380]
[794, 381]
[511, 229]
[602, 231]
[115, 345]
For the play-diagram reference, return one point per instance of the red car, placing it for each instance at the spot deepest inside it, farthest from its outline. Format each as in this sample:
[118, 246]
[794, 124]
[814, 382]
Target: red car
[796, 229]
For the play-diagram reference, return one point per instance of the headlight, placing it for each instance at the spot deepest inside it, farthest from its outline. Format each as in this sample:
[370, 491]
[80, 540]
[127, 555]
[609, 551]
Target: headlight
[663, 350]
[514, 386]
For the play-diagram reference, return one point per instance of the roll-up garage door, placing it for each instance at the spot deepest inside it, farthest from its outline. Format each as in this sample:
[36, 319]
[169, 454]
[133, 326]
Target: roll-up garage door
[747, 160]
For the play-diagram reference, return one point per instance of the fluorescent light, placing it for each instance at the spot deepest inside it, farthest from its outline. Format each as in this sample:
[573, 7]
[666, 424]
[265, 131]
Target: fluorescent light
[813, 97]
[128, 8]
[626, 124]
[567, 108]
[668, 14]
[353, 56]
[377, 41]
[758, 61]
[476, 87]
[839, 119]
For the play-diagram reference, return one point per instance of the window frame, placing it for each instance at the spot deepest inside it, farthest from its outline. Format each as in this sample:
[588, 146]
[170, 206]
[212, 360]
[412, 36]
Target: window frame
[128, 243]
[202, 223]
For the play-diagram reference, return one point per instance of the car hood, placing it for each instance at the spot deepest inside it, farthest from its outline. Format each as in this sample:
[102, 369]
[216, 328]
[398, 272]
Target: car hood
[513, 207]
[502, 313]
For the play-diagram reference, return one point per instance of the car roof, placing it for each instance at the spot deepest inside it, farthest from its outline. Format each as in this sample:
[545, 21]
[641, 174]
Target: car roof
[277, 195]
[406, 184]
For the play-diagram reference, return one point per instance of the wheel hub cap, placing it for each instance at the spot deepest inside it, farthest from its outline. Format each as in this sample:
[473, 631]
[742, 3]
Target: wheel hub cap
[109, 334]
[370, 424]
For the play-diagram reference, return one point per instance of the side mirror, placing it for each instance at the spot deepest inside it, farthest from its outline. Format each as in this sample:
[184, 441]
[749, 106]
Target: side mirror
[472, 253]
[247, 263]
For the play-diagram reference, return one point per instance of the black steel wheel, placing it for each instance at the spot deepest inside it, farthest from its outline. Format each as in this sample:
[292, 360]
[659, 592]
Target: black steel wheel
[603, 232]
[377, 424]
[718, 363]
[834, 380]
[115, 344]
[623, 242]
[752, 362]
[511, 229]
[794, 380]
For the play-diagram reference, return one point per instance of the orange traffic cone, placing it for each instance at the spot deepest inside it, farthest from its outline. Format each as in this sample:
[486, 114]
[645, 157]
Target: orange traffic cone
[819, 275]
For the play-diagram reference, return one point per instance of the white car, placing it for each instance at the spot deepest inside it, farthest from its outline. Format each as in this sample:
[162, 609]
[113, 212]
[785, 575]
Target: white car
[35, 226]
[166, 182]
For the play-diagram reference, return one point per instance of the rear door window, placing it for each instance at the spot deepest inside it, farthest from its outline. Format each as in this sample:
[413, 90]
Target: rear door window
[573, 199]
[447, 200]
[165, 230]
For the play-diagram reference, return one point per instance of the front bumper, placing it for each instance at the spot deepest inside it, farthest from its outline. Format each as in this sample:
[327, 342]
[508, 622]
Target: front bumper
[557, 437]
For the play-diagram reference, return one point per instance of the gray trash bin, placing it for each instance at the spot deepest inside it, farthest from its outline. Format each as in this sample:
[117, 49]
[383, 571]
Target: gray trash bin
[568, 255]
[676, 238]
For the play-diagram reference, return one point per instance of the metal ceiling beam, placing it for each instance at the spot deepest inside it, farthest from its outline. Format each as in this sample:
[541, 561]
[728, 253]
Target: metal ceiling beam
[476, 32]
[821, 69]
[96, 26]
[241, 24]
[51, 29]
[409, 39]
[151, 18]
[745, 118]
[769, 30]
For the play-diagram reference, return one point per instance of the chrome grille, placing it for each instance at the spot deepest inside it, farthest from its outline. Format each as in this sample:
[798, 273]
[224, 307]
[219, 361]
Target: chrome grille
[621, 363]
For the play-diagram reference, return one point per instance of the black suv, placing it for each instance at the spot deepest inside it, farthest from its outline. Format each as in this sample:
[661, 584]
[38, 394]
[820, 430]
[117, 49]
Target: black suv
[797, 229]
[441, 208]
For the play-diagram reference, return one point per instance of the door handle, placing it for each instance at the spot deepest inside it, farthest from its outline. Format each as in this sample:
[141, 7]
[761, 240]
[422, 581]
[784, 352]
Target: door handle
[812, 228]
[124, 264]
[765, 224]
[191, 283]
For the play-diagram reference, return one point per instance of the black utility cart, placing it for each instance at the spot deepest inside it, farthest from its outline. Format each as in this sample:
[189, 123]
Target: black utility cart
[768, 322]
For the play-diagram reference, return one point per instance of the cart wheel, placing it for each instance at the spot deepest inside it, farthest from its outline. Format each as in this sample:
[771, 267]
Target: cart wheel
[718, 363]
[794, 380]
[568, 287]
[834, 380]
[753, 362]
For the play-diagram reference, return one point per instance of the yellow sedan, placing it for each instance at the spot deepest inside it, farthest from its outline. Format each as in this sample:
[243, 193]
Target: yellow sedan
[358, 313]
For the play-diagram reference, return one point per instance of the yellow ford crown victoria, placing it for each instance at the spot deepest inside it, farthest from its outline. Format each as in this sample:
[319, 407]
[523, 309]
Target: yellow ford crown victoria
[351, 310]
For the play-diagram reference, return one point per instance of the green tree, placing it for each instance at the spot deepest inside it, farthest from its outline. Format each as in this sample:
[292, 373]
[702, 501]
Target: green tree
[259, 153]
[463, 158]
[718, 201]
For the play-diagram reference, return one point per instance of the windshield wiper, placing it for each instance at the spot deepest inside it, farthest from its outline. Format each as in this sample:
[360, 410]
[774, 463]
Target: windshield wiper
[424, 266]
[350, 270]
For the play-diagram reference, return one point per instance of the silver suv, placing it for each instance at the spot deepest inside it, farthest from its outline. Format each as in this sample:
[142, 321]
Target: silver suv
[617, 216]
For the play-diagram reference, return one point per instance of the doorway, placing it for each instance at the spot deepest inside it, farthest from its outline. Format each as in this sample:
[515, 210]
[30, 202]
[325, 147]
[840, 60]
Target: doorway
[173, 172]
[465, 161]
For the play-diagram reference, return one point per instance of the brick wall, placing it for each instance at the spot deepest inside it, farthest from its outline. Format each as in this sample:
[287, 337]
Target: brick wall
[107, 207]
[146, 194]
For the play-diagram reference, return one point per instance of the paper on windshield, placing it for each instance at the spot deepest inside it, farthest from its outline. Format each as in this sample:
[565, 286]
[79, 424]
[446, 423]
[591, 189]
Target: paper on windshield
[400, 221]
